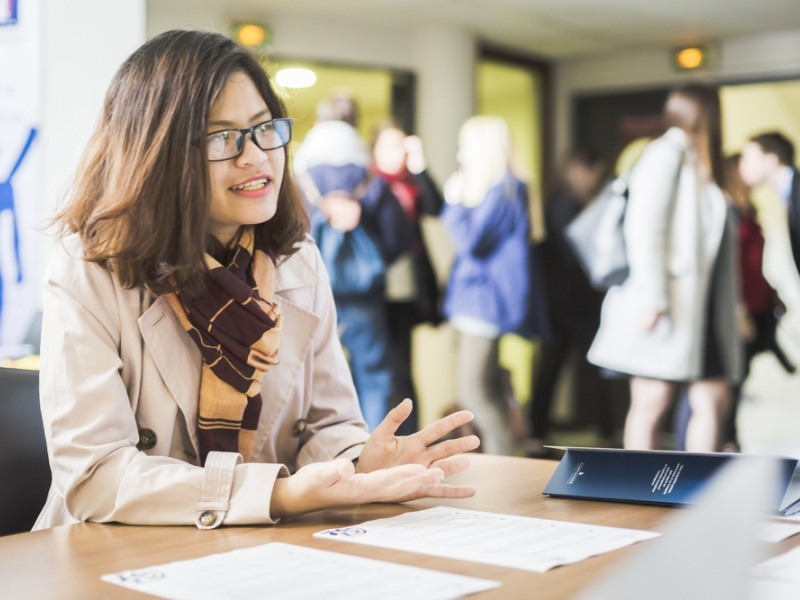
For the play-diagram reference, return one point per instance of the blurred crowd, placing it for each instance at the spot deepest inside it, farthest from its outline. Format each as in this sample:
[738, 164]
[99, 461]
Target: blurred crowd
[675, 337]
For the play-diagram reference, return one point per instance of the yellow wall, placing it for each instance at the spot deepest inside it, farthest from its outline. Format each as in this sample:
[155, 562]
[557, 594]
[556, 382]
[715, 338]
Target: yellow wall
[370, 87]
[514, 93]
[754, 108]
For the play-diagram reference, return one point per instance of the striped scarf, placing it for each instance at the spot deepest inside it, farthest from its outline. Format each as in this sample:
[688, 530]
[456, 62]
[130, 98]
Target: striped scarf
[237, 328]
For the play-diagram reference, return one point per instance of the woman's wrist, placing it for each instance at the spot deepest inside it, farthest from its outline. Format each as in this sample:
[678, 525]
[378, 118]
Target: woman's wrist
[285, 502]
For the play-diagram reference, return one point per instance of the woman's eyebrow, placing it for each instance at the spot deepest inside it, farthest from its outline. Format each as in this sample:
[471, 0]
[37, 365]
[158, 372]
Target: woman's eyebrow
[223, 123]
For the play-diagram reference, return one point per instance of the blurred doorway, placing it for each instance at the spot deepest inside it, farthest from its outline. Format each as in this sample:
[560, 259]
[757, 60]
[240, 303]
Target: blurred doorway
[382, 94]
[516, 88]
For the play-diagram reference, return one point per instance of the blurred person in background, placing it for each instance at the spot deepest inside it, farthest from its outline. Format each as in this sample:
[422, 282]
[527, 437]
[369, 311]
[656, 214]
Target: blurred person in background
[333, 169]
[760, 307]
[769, 158]
[573, 306]
[673, 321]
[412, 291]
[486, 212]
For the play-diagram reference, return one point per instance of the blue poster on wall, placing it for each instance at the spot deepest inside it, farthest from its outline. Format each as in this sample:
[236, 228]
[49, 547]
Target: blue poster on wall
[22, 218]
[8, 12]
[7, 204]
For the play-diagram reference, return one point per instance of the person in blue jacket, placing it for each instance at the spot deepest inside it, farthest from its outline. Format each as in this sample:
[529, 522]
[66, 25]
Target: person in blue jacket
[486, 212]
[360, 229]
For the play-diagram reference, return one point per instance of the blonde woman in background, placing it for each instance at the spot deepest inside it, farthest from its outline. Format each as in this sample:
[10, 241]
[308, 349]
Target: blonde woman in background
[486, 211]
[673, 321]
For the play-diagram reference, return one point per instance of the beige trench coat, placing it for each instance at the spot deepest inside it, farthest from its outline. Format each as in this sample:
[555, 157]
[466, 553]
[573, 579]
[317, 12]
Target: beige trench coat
[117, 363]
[677, 232]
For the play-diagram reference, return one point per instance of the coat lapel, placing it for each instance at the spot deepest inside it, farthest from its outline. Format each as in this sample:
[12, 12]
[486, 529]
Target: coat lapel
[299, 327]
[176, 358]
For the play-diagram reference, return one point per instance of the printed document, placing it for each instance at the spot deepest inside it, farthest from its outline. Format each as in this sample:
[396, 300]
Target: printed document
[291, 572]
[505, 540]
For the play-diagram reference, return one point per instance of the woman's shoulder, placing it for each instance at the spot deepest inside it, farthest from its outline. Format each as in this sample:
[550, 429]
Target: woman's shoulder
[510, 187]
[664, 150]
[302, 268]
[68, 264]
[673, 141]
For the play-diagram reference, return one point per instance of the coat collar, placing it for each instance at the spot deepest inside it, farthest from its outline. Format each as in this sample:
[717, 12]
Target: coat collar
[296, 271]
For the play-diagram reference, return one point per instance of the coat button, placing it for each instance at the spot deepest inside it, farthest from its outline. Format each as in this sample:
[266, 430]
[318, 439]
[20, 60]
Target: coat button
[207, 518]
[147, 439]
[300, 427]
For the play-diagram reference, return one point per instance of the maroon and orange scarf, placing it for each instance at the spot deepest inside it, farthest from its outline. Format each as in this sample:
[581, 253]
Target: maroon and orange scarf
[237, 328]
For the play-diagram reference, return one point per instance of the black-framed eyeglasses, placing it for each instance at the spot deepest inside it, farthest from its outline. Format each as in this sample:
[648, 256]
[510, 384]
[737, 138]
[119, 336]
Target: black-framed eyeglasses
[226, 144]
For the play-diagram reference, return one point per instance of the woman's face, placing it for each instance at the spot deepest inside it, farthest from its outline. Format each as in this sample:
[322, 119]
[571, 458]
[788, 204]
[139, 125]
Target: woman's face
[390, 151]
[244, 190]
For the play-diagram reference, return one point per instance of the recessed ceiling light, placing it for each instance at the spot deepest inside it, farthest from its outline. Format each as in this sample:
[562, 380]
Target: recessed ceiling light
[296, 78]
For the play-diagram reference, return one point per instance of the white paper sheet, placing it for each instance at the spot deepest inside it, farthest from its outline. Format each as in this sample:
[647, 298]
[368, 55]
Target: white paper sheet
[777, 531]
[777, 578]
[497, 539]
[291, 572]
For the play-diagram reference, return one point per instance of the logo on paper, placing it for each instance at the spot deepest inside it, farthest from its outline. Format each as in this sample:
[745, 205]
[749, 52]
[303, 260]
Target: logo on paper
[345, 532]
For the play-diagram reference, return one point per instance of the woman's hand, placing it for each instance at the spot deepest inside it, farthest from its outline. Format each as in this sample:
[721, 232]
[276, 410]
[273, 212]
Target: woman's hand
[454, 188]
[343, 212]
[384, 449]
[331, 484]
[415, 156]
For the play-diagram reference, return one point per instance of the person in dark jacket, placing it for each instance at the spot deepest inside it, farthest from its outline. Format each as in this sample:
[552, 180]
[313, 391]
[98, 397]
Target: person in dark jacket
[573, 306]
[769, 158]
[412, 291]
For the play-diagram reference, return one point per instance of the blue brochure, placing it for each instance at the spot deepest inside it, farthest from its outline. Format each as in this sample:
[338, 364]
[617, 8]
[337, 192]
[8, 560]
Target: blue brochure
[653, 476]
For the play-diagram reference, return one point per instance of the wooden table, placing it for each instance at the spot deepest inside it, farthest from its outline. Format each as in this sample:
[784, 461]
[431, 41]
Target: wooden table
[66, 562]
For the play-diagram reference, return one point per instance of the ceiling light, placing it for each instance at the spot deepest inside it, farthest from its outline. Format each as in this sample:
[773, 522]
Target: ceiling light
[296, 78]
[692, 57]
[251, 34]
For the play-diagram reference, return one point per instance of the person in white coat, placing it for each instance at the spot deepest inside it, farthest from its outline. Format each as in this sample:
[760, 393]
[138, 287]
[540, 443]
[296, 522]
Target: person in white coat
[673, 321]
[191, 372]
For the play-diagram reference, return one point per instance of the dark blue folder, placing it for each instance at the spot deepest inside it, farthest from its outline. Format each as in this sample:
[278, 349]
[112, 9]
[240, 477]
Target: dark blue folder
[652, 476]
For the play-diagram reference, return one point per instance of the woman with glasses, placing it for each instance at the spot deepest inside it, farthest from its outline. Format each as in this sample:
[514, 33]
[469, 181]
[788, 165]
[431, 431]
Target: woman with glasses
[191, 371]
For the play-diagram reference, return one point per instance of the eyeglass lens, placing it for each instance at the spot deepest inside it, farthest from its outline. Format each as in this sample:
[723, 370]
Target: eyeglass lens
[229, 143]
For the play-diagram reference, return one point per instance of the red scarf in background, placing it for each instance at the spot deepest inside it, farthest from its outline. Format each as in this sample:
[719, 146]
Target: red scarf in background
[237, 328]
[405, 190]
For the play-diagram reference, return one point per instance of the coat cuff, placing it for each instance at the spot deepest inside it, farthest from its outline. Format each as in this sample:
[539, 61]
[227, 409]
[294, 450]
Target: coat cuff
[236, 493]
[215, 496]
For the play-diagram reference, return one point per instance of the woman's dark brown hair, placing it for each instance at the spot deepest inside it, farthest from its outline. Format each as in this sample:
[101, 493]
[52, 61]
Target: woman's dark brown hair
[140, 202]
[697, 112]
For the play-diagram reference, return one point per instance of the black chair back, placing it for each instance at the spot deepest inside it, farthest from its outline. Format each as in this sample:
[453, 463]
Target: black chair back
[24, 467]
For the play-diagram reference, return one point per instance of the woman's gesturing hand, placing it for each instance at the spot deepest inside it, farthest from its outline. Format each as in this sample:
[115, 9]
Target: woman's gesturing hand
[335, 483]
[385, 449]
[390, 469]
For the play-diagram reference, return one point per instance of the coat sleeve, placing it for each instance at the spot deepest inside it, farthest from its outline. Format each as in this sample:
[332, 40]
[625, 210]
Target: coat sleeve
[479, 230]
[652, 189]
[430, 198]
[91, 428]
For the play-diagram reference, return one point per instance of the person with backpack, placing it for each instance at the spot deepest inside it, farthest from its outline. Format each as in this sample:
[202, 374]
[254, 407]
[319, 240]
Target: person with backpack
[674, 319]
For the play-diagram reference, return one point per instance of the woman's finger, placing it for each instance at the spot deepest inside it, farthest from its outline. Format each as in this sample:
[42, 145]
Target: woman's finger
[442, 427]
[451, 466]
[385, 431]
[450, 448]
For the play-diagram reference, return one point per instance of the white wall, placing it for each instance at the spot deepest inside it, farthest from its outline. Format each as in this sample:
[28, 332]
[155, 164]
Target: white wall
[85, 41]
[753, 57]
